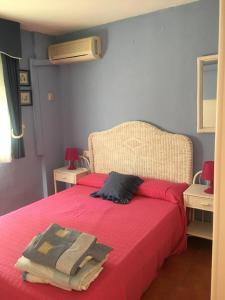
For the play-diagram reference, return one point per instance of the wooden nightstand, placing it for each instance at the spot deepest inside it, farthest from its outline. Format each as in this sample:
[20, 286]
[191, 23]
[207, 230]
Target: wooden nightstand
[68, 176]
[196, 198]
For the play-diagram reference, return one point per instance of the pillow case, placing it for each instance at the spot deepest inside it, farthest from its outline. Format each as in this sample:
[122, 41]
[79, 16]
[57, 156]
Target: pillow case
[151, 188]
[119, 188]
[162, 189]
[95, 180]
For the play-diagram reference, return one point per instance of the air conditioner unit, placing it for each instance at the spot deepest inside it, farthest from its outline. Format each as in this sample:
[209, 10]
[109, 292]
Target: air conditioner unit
[75, 51]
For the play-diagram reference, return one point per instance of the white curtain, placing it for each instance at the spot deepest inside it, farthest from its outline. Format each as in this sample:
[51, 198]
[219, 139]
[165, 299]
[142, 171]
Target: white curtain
[5, 127]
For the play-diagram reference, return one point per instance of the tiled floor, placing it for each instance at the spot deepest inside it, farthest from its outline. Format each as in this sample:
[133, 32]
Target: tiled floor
[186, 276]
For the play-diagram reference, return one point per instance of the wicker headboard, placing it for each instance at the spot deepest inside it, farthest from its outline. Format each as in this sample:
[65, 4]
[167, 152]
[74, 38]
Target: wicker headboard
[139, 148]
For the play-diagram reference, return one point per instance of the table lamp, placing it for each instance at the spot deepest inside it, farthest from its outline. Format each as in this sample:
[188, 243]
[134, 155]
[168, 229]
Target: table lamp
[71, 156]
[208, 174]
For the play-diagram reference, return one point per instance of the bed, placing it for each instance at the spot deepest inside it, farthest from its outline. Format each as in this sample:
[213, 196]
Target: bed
[143, 233]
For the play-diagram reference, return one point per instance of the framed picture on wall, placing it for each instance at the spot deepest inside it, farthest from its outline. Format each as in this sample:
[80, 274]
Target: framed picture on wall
[25, 98]
[24, 77]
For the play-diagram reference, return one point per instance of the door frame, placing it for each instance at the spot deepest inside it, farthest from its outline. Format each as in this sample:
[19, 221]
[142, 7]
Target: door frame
[38, 124]
[218, 257]
[38, 129]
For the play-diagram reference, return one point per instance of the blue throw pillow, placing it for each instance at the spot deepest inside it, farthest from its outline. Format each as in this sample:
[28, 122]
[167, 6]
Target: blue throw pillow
[119, 188]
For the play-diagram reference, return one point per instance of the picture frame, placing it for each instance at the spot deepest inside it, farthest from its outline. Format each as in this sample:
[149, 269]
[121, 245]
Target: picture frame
[25, 98]
[24, 78]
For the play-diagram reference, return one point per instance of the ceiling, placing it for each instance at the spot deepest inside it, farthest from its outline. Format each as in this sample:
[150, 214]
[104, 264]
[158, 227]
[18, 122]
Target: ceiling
[61, 16]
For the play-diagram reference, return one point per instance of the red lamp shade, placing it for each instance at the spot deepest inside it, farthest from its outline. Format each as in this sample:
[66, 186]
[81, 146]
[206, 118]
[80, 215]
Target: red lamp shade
[208, 174]
[71, 155]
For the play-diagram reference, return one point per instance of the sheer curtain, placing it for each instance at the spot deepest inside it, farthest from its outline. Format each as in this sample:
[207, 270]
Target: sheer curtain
[5, 126]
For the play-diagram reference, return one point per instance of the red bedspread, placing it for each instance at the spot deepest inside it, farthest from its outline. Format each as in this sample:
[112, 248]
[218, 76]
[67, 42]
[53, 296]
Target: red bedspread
[142, 234]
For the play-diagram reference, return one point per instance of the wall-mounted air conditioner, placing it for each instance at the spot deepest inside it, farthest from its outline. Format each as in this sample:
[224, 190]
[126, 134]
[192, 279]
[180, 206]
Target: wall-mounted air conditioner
[75, 51]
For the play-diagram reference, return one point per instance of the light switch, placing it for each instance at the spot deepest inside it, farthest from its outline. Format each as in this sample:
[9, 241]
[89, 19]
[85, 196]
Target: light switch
[50, 96]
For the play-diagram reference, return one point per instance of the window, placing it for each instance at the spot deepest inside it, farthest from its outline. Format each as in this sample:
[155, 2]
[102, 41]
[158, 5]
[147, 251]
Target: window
[5, 127]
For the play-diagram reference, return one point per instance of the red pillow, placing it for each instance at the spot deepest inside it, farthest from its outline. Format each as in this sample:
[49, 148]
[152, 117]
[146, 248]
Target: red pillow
[94, 180]
[152, 188]
[162, 189]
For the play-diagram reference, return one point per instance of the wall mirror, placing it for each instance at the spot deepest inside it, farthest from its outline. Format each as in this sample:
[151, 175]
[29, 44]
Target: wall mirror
[206, 93]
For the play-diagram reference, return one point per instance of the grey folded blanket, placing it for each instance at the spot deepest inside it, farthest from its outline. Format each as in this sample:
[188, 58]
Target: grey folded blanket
[65, 249]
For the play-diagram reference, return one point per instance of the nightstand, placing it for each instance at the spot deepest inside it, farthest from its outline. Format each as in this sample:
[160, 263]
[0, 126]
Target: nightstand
[68, 176]
[196, 198]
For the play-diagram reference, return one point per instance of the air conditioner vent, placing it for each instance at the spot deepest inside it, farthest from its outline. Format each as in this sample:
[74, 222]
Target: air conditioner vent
[75, 51]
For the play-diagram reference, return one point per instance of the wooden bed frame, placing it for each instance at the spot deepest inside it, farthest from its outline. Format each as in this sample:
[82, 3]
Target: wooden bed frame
[141, 149]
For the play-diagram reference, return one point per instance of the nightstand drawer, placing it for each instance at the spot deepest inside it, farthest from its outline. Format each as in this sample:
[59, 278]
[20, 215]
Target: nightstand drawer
[65, 177]
[68, 176]
[199, 203]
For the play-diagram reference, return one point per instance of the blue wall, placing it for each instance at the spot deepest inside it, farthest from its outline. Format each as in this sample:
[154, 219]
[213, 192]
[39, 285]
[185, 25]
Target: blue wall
[148, 72]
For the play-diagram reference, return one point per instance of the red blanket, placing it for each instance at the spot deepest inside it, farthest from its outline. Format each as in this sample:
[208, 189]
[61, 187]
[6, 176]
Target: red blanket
[142, 234]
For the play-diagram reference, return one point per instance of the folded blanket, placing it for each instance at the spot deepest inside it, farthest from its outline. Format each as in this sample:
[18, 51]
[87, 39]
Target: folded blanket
[65, 249]
[37, 273]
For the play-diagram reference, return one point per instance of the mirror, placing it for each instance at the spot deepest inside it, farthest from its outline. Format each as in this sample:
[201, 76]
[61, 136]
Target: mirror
[206, 93]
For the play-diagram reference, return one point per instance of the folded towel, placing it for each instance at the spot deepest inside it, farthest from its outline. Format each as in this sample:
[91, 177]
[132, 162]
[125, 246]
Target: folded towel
[64, 249]
[40, 274]
[35, 279]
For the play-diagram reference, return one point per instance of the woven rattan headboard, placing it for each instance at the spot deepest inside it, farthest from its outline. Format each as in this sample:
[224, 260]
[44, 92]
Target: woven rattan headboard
[141, 149]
